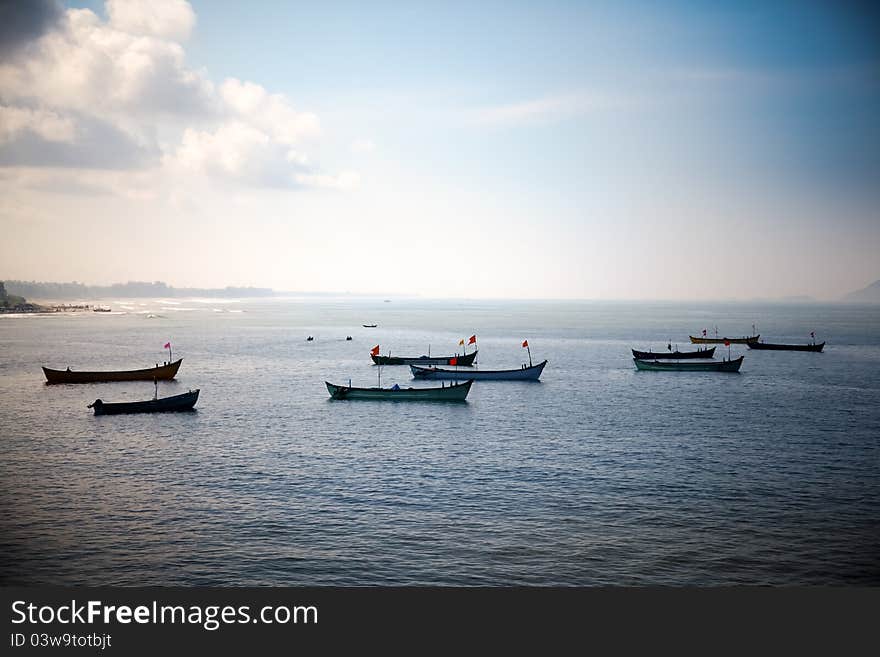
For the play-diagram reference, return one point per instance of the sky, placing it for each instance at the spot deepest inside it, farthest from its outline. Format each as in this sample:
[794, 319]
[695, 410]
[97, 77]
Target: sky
[588, 150]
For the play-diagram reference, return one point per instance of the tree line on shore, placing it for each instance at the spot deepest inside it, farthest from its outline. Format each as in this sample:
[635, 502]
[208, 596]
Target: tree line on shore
[75, 290]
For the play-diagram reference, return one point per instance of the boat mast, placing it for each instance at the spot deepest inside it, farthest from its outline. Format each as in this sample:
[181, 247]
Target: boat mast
[526, 345]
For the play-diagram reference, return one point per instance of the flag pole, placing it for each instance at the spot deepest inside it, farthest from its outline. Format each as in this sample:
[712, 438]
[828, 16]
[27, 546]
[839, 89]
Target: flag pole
[529, 349]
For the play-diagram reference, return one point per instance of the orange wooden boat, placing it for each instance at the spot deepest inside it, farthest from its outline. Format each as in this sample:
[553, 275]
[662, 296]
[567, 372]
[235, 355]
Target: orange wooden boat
[161, 373]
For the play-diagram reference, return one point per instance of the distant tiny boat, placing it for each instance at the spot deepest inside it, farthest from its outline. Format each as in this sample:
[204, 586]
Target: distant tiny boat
[101, 309]
[714, 366]
[348, 338]
[309, 339]
[184, 402]
[465, 360]
[787, 347]
[743, 340]
[531, 373]
[161, 373]
[369, 325]
[673, 355]
[452, 392]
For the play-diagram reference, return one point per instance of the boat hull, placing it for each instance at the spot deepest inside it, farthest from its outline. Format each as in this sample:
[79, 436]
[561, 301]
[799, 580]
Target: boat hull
[161, 373]
[716, 366]
[177, 403]
[457, 392]
[787, 347]
[523, 374]
[465, 360]
[743, 340]
[673, 355]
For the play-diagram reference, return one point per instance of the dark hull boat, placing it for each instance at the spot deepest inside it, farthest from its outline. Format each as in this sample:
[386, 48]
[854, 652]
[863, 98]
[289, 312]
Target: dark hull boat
[531, 373]
[714, 366]
[161, 373]
[743, 340]
[787, 347]
[673, 355]
[465, 360]
[453, 392]
[184, 402]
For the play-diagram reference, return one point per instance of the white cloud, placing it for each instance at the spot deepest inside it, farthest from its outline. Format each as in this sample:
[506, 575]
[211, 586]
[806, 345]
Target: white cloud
[47, 124]
[546, 109]
[270, 112]
[130, 74]
[363, 146]
[235, 150]
[344, 181]
[91, 67]
[170, 19]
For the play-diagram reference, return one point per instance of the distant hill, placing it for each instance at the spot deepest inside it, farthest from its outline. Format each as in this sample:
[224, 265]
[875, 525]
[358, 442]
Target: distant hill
[870, 294]
[40, 290]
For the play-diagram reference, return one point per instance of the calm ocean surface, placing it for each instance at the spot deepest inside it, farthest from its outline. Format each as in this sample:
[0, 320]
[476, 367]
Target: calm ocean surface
[597, 475]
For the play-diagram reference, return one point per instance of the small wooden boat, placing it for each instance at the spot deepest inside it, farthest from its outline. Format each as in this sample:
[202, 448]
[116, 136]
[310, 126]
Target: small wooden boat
[184, 402]
[787, 347]
[742, 340]
[673, 355]
[531, 373]
[161, 373]
[452, 392]
[464, 360]
[696, 366]
[369, 325]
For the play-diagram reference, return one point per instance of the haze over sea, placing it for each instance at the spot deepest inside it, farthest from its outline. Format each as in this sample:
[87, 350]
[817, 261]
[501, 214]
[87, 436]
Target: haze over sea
[597, 475]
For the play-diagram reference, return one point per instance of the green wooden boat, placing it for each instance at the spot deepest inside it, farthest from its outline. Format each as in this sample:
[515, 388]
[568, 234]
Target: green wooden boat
[452, 392]
[690, 366]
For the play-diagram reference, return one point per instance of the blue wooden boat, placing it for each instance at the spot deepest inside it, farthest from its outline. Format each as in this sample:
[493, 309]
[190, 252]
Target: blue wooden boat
[184, 402]
[531, 373]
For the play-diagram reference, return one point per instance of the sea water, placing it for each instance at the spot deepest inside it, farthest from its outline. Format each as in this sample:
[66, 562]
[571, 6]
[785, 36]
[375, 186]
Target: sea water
[596, 475]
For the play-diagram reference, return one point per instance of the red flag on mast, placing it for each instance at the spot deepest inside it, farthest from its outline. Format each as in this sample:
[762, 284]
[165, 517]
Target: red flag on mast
[167, 345]
[472, 339]
[374, 351]
[525, 344]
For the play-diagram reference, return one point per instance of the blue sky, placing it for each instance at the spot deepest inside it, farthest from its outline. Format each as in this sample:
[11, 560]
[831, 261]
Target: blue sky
[587, 150]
